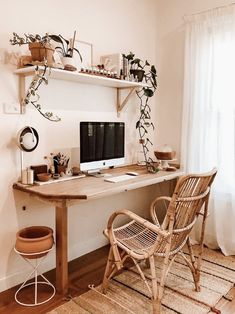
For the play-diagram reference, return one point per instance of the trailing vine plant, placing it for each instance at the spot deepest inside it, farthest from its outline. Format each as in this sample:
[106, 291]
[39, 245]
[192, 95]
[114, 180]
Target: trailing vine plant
[144, 124]
[32, 97]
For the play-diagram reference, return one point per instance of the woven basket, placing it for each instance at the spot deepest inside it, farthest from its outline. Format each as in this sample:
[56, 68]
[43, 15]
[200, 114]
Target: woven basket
[40, 52]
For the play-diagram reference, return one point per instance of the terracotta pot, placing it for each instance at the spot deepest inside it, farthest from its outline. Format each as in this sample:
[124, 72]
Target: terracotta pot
[40, 52]
[34, 239]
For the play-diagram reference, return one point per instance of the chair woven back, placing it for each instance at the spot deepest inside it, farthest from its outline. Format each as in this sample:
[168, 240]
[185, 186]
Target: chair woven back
[190, 194]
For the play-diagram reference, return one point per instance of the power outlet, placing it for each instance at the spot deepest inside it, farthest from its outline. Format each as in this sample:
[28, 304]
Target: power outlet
[11, 107]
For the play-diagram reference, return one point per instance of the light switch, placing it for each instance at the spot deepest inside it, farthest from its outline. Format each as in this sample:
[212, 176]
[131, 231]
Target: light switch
[11, 107]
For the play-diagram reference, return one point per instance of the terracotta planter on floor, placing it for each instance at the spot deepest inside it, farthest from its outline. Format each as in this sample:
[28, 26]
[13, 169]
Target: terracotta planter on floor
[34, 239]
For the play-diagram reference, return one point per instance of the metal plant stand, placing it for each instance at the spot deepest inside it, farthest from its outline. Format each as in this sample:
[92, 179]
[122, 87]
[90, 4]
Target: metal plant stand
[34, 261]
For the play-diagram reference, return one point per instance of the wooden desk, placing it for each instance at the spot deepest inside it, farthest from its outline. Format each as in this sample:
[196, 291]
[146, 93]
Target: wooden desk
[67, 193]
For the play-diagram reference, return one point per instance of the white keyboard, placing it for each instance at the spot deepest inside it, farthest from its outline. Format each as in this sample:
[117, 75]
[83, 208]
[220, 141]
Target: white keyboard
[121, 178]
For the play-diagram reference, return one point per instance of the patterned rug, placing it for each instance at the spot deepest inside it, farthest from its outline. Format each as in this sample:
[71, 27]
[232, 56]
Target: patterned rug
[128, 294]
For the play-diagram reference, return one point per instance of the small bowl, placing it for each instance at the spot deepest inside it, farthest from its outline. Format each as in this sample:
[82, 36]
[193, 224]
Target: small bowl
[75, 171]
[165, 155]
[43, 176]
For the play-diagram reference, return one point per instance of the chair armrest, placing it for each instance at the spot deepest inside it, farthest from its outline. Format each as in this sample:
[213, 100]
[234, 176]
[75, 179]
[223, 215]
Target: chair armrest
[152, 208]
[137, 218]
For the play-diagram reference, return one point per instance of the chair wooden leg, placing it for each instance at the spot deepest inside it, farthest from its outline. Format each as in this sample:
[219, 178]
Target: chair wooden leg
[108, 270]
[199, 259]
[193, 267]
[147, 264]
[155, 300]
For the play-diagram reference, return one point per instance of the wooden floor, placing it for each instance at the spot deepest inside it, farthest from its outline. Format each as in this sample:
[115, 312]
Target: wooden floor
[82, 271]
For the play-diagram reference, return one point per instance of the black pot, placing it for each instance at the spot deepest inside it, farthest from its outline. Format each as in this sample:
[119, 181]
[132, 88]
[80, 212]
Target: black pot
[139, 73]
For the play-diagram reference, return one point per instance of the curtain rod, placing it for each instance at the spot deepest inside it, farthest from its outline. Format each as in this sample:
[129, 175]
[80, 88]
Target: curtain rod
[208, 10]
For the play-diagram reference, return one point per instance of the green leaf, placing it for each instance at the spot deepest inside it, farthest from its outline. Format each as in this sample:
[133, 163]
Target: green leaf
[78, 53]
[137, 124]
[148, 92]
[56, 38]
[153, 69]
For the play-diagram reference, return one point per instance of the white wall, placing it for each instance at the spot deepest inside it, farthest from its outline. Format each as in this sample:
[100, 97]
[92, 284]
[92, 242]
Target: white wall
[112, 26]
[170, 64]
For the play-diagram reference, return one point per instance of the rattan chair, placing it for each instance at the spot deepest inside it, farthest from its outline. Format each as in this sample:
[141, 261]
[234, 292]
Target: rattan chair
[141, 240]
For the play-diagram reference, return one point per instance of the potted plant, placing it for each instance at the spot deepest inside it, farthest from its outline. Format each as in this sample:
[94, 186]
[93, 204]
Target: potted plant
[137, 66]
[148, 74]
[40, 47]
[66, 49]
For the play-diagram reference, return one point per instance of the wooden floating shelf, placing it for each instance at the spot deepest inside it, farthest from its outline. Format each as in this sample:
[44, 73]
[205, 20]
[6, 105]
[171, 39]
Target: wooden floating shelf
[82, 78]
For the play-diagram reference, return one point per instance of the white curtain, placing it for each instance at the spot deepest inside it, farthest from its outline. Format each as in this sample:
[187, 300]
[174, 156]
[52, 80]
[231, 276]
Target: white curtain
[208, 126]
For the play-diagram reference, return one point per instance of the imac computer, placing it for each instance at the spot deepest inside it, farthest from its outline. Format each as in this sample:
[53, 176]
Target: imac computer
[101, 145]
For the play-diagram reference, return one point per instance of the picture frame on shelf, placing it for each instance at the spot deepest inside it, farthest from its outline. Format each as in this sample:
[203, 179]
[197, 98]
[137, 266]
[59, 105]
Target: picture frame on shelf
[112, 62]
[86, 50]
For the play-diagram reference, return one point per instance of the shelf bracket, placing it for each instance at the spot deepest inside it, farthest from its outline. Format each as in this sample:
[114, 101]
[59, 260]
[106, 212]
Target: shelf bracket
[22, 93]
[22, 89]
[121, 104]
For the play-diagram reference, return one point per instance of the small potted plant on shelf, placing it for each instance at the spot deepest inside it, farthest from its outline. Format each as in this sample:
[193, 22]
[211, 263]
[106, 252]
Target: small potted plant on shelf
[146, 73]
[66, 49]
[40, 47]
[139, 68]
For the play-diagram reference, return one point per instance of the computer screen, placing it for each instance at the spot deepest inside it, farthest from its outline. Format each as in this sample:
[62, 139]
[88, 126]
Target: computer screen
[101, 144]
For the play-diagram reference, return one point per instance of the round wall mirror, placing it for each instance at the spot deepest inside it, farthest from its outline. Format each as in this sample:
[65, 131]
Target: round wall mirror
[28, 139]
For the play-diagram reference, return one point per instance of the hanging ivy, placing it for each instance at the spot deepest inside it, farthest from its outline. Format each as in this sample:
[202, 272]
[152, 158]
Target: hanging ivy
[32, 97]
[144, 124]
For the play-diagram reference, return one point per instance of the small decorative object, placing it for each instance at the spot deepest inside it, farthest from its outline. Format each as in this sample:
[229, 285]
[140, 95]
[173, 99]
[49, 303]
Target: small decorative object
[144, 121]
[66, 49]
[34, 239]
[38, 169]
[140, 153]
[27, 176]
[75, 171]
[39, 46]
[112, 62]
[165, 154]
[56, 176]
[43, 176]
[60, 162]
[99, 71]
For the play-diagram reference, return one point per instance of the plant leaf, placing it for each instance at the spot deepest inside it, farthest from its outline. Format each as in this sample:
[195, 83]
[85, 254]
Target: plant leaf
[78, 53]
[56, 38]
[148, 92]
[137, 124]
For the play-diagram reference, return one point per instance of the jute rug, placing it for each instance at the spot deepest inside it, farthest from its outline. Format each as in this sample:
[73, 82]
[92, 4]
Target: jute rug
[128, 294]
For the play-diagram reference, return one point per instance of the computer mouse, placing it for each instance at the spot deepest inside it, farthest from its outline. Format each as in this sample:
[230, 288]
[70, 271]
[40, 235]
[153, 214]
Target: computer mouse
[132, 173]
